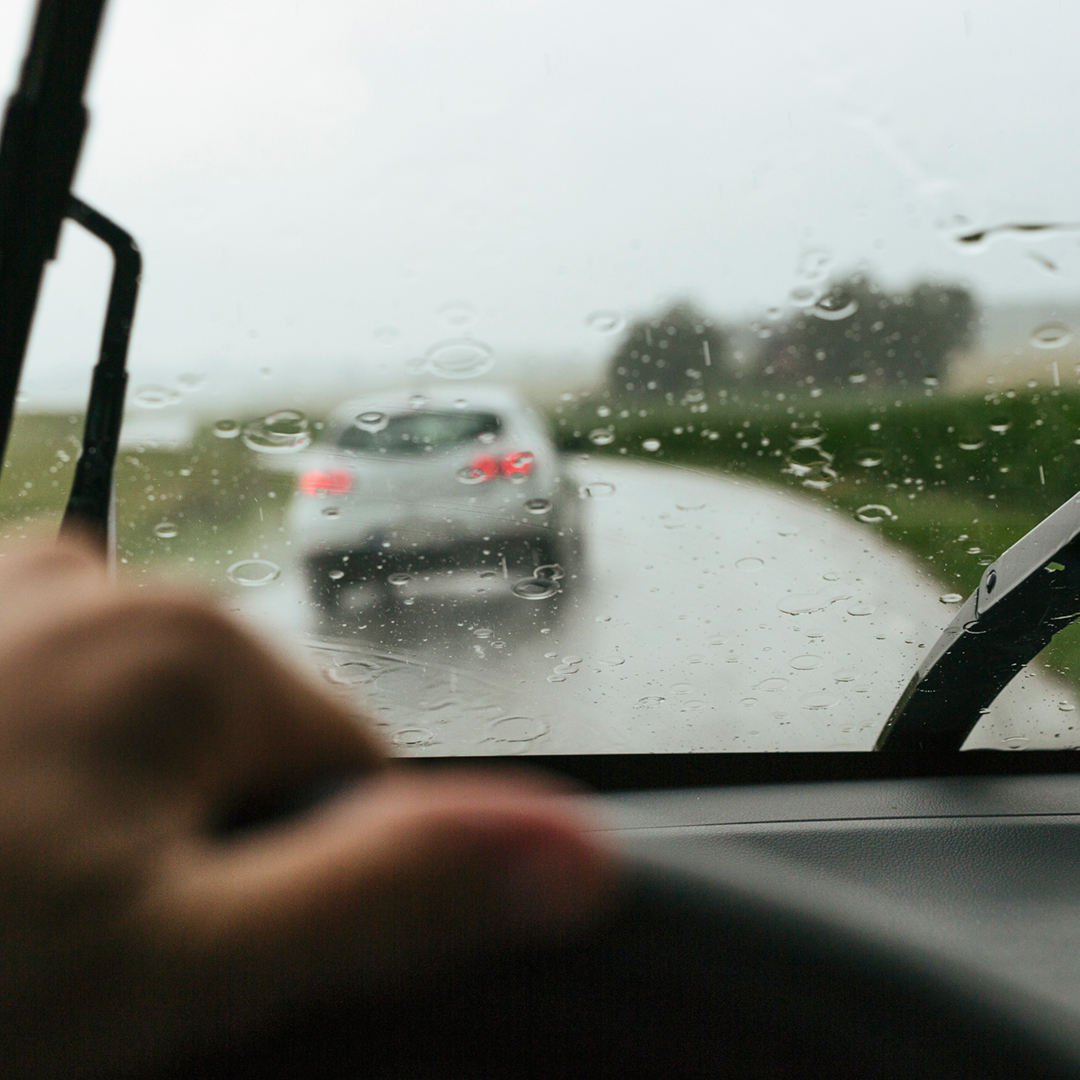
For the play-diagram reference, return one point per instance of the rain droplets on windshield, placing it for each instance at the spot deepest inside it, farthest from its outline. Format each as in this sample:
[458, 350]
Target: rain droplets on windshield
[562, 399]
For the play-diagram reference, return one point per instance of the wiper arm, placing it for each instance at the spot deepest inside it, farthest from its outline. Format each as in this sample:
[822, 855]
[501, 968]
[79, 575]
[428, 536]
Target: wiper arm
[1024, 598]
[39, 148]
[90, 502]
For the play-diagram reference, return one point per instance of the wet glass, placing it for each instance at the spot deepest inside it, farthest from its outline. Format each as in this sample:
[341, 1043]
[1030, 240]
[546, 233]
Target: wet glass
[718, 351]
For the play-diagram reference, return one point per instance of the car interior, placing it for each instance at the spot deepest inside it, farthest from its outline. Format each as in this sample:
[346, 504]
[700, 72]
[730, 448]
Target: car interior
[809, 655]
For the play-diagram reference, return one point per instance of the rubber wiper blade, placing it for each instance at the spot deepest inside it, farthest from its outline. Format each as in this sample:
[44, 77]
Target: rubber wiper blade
[1024, 598]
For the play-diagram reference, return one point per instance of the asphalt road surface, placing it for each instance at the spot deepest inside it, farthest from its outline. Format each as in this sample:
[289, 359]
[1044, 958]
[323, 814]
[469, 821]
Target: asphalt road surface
[707, 614]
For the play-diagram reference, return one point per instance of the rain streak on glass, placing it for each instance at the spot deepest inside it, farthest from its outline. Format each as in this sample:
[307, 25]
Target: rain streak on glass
[253, 572]
[605, 322]
[166, 530]
[281, 432]
[1051, 335]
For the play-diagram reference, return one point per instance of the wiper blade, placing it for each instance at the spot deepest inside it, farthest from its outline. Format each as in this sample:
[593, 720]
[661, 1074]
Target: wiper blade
[1024, 598]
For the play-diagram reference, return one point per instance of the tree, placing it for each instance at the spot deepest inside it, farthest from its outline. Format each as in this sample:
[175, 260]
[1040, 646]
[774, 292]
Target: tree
[857, 332]
[680, 355]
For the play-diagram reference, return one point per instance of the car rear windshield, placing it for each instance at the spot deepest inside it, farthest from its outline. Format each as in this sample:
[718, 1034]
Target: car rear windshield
[417, 432]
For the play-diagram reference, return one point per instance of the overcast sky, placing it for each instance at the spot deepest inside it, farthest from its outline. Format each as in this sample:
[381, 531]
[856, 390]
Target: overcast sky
[332, 187]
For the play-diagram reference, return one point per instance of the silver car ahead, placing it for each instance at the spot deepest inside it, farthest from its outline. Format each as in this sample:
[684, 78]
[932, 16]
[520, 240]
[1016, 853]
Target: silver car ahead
[426, 483]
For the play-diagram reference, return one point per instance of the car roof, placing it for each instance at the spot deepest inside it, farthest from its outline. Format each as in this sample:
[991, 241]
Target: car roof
[497, 399]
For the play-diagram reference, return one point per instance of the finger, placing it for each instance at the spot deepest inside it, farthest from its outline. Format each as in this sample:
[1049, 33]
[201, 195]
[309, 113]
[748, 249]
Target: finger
[368, 890]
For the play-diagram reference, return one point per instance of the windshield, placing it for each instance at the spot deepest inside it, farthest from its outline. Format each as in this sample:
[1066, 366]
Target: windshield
[573, 378]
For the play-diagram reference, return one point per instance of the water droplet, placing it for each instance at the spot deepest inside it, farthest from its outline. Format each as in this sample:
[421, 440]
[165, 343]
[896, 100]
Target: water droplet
[974, 550]
[549, 572]
[690, 506]
[534, 588]
[868, 459]
[355, 672]
[517, 729]
[748, 701]
[806, 603]
[166, 530]
[599, 489]
[749, 564]
[872, 513]
[556, 678]
[835, 306]
[459, 359]
[844, 675]
[813, 264]
[861, 609]
[818, 701]
[413, 736]
[281, 432]
[1066, 706]
[331, 511]
[602, 437]
[604, 322]
[648, 702]
[537, 506]
[976, 445]
[1014, 742]
[155, 397]
[788, 530]
[386, 335]
[572, 659]
[418, 401]
[950, 598]
[226, 429]
[1001, 425]
[1051, 335]
[371, 420]
[399, 579]
[472, 474]
[565, 669]
[806, 662]
[804, 296]
[457, 314]
[651, 445]
[253, 572]
[613, 661]
[681, 688]
[771, 686]
[191, 381]
[336, 575]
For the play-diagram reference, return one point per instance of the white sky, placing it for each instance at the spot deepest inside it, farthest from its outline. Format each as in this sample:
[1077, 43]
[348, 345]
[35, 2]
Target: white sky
[301, 174]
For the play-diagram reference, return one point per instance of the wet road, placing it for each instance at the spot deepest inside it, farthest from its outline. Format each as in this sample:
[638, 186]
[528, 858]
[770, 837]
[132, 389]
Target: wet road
[707, 614]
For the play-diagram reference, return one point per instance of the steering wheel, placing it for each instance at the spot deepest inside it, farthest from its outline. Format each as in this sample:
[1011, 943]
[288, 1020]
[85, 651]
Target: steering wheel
[699, 972]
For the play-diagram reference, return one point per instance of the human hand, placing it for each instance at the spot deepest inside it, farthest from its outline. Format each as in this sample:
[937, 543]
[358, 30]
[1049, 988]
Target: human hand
[131, 931]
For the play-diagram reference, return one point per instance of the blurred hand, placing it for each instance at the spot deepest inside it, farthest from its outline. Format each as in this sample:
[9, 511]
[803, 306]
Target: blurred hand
[130, 720]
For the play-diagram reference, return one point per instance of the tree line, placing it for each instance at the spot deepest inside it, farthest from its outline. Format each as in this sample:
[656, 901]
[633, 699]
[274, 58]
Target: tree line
[853, 332]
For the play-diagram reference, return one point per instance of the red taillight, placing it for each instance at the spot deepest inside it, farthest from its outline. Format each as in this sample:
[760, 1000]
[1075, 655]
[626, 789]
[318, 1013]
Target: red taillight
[480, 468]
[517, 463]
[317, 482]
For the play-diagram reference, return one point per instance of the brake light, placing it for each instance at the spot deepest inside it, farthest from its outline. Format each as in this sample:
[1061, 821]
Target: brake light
[517, 463]
[480, 468]
[318, 482]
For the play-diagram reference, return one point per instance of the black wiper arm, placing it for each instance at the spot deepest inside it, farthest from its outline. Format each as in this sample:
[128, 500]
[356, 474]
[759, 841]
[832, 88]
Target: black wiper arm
[39, 148]
[90, 502]
[1024, 598]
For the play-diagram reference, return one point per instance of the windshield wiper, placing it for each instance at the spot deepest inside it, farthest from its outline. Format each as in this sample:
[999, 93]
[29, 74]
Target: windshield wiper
[42, 137]
[1024, 598]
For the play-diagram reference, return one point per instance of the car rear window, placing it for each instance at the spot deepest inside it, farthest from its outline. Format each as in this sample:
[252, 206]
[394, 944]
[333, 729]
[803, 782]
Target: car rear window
[417, 432]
